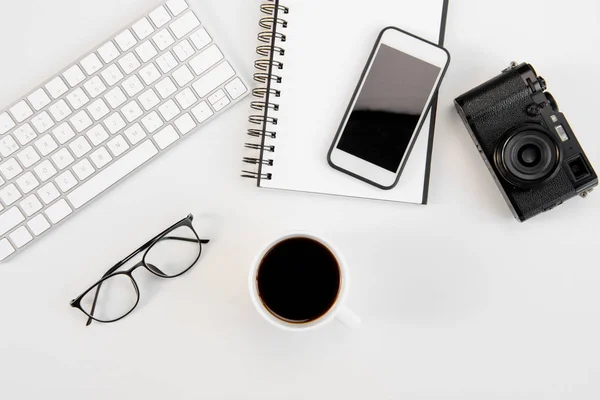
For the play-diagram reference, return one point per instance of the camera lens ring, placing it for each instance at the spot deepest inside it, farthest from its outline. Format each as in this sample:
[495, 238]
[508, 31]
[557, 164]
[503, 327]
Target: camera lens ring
[528, 156]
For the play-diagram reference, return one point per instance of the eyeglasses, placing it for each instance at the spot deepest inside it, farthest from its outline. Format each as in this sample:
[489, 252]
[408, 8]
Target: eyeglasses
[169, 254]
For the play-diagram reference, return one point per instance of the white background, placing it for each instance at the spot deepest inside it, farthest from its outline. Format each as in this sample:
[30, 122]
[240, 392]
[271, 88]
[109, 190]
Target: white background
[459, 301]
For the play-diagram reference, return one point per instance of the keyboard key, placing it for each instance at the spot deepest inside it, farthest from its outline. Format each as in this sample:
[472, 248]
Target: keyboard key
[58, 211]
[80, 146]
[146, 51]
[25, 134]
[60, 110]
[166, 62]
[45, 170]
[184, 25]
[30, 205]
[216, 96]
[8, 146]
[129, 63]
[91, 64]
[38, 225]
[9, 194]
[77, 98]
[184, 50]
[42, 122]
[166, 137]
[236, 88]
[118, 146]
[143, 28]
[160, 16]
[98, 109]
[166, 87]
[125, 40]
[183, 76]
[39, 99]
[205, 60]
[114, 123]
[48, 193]
[27, 182]
[6, 249]
[135, 134]
[148, 99]
[132, 111]
[108, 52]
[149, 74]
[6, 123]
[201, 38]
[221, 104]
[115, 97]
[83, 169]
[100, 157]
[10, 219]
[28, 156]
[81, 121]
[112, 75]
[21, 236]
[186, 98]
[185, 124]
[21, 111]
[177, 6]
[66, 181]
[163, 39]
[152, 122]
[74, 76]
[112, 174]
[202, 112]
[10, 168]
[63, 133]
[133, 86]
[62, 158]
[56, 87]
[169, 110]
[97, 135]
[95, 87]
[213, 79]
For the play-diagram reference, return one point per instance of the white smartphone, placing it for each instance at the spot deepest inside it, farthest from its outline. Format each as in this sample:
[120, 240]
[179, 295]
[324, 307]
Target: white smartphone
[388, 108]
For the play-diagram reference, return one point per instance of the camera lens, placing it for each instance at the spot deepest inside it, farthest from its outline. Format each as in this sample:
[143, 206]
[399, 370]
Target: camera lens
[528, 156]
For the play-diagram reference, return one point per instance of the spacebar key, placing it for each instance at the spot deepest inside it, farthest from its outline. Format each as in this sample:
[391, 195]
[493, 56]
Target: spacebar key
[112, 174]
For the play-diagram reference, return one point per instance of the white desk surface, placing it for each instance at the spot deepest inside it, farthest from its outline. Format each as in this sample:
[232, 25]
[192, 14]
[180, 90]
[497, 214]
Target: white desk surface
[459, 301]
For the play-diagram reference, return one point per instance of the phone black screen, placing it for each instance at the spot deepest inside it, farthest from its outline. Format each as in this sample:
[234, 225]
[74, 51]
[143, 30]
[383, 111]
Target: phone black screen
[388, 108]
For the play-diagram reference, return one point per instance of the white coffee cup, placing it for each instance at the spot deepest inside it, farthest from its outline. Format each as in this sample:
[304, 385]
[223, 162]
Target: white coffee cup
[337, 311]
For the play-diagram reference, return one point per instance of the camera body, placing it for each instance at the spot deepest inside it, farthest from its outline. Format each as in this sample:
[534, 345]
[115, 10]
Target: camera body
[526, 142]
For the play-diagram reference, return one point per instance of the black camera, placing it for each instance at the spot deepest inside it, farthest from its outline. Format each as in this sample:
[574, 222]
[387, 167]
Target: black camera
[526, 142]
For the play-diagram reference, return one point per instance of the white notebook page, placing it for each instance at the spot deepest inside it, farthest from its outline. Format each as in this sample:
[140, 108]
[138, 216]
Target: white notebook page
[328, 44]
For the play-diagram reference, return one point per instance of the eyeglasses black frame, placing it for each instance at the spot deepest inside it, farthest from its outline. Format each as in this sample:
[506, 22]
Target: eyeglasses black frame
[186, 222]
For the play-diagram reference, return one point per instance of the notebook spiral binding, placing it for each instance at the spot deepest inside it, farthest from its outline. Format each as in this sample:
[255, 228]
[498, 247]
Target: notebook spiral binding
[267, 74]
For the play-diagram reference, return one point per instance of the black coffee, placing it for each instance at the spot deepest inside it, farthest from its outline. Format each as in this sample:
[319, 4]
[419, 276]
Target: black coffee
[298, 280]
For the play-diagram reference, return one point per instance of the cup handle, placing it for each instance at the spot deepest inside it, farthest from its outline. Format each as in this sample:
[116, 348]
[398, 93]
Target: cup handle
[347, 317]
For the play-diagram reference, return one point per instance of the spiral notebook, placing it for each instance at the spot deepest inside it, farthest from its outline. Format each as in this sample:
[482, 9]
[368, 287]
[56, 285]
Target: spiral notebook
[311, 55]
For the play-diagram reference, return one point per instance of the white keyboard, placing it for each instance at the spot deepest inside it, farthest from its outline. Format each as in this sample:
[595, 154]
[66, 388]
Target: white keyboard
[104, 116]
